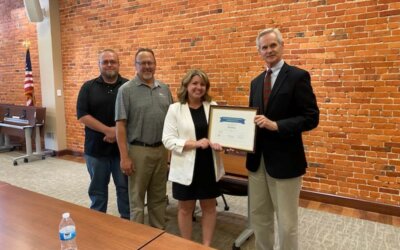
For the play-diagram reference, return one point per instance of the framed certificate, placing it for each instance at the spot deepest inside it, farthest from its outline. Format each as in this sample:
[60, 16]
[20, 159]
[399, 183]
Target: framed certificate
[232, 127]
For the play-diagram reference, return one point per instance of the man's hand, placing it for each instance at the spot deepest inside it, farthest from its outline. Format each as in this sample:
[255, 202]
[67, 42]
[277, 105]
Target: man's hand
[127, 166]
[93, 123]
[110, 135]
[263, 122]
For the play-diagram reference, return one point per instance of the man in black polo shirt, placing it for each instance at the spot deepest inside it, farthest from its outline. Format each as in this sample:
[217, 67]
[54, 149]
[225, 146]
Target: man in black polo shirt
[96, 109]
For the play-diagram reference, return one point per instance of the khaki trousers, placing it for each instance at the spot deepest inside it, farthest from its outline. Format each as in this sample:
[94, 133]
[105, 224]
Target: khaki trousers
[268, 195]
[150, 176]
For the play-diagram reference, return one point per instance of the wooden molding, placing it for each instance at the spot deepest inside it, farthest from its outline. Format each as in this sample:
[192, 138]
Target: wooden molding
[351, 202]
[68, 152]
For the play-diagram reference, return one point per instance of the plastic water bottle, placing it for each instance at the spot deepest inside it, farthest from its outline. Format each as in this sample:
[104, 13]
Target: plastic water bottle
[67, 233]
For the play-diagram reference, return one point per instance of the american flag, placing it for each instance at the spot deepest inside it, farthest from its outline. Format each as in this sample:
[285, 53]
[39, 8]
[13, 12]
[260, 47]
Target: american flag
[28, 84]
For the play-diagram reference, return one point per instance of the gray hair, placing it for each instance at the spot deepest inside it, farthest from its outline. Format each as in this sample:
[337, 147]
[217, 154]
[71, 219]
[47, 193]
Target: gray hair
[267, 31]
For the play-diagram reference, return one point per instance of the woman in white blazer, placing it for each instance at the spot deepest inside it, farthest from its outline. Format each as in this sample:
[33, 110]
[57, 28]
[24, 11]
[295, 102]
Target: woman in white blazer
[195, 167]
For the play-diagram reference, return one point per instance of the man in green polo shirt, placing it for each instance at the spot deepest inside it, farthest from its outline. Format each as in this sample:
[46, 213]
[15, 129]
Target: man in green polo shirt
[140, 109]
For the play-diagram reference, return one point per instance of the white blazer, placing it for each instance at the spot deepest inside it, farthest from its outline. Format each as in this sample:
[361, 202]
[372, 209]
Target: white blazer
[178, 128]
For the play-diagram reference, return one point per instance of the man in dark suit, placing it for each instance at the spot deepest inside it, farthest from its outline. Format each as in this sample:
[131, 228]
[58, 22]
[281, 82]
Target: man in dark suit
[287, 107]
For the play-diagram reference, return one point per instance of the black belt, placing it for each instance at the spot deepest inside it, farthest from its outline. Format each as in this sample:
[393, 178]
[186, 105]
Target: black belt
[139, 143]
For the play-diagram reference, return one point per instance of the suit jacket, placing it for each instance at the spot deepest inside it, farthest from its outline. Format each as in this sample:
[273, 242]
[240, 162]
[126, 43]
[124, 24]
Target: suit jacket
[292, 104]
[178, 128]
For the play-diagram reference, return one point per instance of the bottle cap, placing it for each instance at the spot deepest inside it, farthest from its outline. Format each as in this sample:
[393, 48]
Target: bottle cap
[65, 215]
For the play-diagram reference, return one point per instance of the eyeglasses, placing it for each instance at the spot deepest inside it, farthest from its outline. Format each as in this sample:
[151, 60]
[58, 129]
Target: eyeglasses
[107, 62]
[146, 63]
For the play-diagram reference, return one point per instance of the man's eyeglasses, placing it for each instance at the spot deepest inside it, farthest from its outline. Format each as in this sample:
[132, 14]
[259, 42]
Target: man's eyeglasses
[146, 63]
[107, 62]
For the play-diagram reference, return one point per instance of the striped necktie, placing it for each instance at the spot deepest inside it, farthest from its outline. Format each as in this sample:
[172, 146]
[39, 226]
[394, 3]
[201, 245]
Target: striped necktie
[267, 88]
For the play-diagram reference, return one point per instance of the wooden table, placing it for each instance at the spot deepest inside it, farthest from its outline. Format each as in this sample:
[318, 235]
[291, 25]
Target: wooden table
[30, 220]
[3, 184]
[168, 241]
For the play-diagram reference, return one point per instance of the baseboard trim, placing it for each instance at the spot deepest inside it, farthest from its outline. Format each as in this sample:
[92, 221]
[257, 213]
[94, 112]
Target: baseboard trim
[350, 202]
[68, 152]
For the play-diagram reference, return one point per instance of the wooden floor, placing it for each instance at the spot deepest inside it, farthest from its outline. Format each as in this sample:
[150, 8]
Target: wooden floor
[345, 211]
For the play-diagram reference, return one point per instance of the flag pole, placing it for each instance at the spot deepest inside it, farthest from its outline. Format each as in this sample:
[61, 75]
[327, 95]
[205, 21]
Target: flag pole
[28, 83]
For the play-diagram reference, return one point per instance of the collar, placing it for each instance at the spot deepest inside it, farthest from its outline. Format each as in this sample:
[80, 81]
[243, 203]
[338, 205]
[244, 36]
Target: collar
[277, 67]
[140, 82]
[101, 80]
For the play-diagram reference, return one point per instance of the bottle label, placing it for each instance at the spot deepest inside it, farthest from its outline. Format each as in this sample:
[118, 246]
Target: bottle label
[67, 233]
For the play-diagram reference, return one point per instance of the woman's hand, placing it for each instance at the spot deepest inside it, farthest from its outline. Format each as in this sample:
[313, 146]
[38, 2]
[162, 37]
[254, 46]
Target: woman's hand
[216, 146]
[203, 143]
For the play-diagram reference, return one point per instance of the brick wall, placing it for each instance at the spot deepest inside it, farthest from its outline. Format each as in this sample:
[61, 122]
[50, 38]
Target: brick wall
[351, 49]
[14, 30]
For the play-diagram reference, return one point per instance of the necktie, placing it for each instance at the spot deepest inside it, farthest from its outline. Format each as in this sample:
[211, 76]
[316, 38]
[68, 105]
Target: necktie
[267, 88]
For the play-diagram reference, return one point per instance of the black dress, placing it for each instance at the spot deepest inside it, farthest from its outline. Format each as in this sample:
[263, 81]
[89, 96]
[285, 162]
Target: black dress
[203, 185]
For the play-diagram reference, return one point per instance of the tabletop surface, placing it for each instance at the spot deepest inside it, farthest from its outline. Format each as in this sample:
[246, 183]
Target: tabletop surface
[30, 221]
[2, 184]
[168, 241]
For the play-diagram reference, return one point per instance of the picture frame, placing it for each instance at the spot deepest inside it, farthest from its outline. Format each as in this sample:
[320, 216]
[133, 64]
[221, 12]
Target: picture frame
[233, 127]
